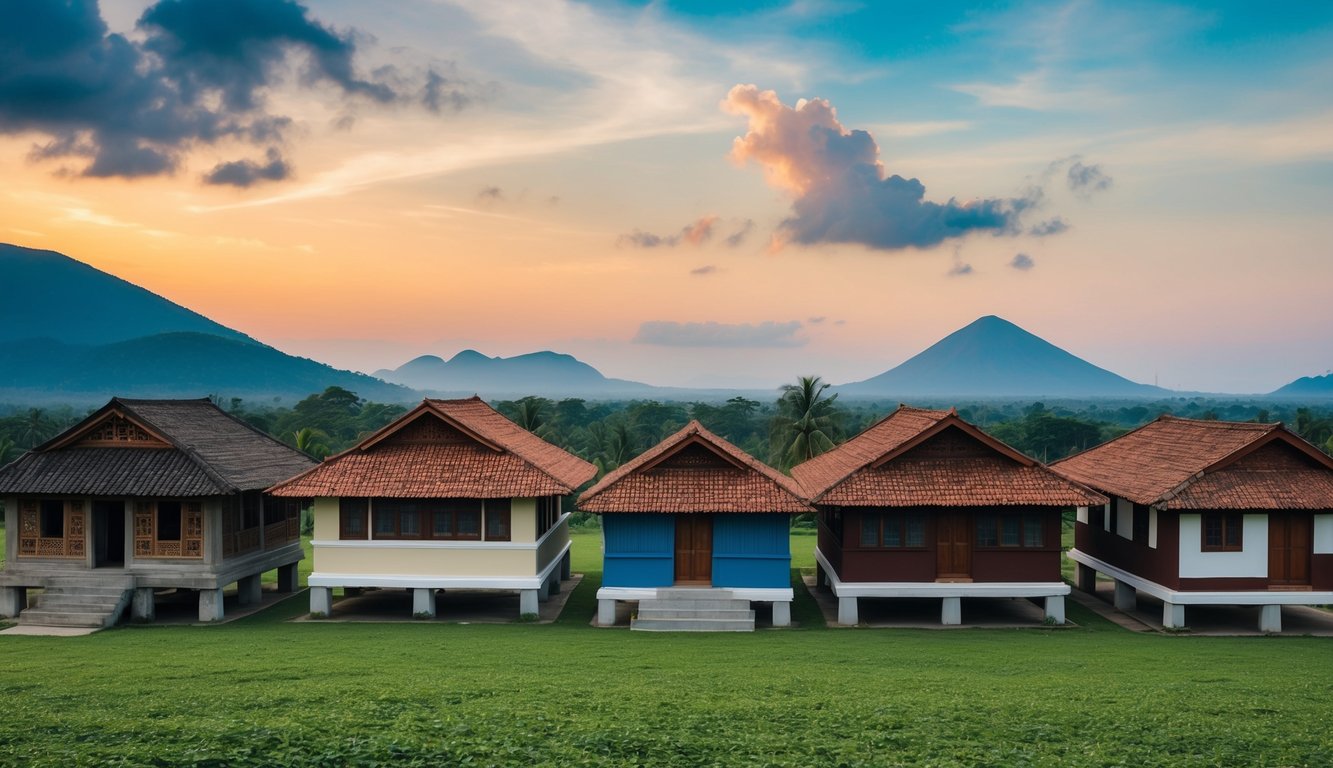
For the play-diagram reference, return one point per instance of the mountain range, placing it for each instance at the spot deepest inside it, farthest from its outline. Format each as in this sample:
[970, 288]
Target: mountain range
[72, 333]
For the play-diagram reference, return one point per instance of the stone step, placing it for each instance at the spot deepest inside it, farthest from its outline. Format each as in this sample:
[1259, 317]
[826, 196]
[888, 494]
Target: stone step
[76, 603]
[697, 604]
[695, 592]
[670, 611]
[43, 618]
[76, 589]
[693, 625]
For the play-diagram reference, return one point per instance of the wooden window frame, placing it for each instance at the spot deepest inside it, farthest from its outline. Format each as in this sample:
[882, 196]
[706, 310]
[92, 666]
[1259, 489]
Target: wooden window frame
[1226, 522]
[51, 508]
[1025, 520]
[501, 511]
[886, 520]
[349, 508]
[426, 510]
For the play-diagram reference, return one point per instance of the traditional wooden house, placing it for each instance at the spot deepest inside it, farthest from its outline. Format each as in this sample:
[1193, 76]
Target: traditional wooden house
[695, 511]
[146, 495]
[925, 505]
[452, 495]
[1207, 513]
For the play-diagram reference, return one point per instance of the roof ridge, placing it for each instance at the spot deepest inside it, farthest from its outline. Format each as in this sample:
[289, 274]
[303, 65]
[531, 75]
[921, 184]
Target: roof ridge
[189, 450]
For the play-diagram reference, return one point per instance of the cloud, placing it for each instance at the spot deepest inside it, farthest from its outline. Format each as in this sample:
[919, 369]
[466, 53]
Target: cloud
[959, 269]
[693, 234]
[247, 173]
[735, 239]
[712, 334]
[1022, 261]
[198, 72]
[815, 320]
[707, 269]
[1050, 227]
[843, 193]
[490, 195]
[1085, 180]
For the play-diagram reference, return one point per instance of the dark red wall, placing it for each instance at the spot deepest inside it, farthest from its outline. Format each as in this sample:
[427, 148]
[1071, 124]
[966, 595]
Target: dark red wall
[1160, 565]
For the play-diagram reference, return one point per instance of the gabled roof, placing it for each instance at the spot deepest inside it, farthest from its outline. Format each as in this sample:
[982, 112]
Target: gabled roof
[154, 448]
[694, 470]
[446, 449]
[1175, 463]
[919, 457]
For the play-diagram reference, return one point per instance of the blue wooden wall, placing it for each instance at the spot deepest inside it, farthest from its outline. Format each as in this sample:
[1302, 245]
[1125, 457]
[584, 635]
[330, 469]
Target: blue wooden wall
[639, 550]
[752, 550]
[749, 550]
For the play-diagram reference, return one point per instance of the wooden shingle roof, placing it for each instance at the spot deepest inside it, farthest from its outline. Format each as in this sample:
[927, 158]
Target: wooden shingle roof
[446, 449]
[154, 448]
[1175, 463]
[919, 457]
[694, 470]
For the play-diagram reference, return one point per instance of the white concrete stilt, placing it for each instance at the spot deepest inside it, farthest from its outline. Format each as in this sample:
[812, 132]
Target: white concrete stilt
[1055, 608]
[527, 601]
[951, 613]
[847, 613]
[423, 603]
[12, 601]
[321, 601]
[210, 605]
[1270, 618]
[1126, 597]
[782, 614]
[606, 612]
[565, 568]
[1087, 578]
[143, 607]
[1173, 616]
[249, 590]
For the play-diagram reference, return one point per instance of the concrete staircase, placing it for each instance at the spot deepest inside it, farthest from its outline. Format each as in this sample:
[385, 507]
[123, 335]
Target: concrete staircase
[677, 609]
[83, 601]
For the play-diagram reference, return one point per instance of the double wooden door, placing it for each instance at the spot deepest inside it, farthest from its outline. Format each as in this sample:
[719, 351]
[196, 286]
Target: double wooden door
[953, 546]
[694, 549]
[1290, 543]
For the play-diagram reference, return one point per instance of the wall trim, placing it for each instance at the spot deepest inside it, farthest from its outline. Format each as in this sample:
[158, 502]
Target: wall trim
[1177, 597]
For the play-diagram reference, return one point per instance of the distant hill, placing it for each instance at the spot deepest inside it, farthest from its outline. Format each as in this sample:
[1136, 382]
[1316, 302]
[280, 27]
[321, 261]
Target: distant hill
[1308, 387]
[71, 333]
[992, 357]
[49, 295]
[547, 373]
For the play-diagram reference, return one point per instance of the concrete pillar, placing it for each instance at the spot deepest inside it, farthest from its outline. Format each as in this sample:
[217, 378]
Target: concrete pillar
[1126, 597]
[210, 605]
[951, 613]
[423, 603]
[565, 572]
[1173, 616]
[606, 612]
[1270, 618]
[249, 591]
[847, 613]
[555, 582]
[321, 601]
[527, 601]
[544, 591]
[821, 576]
[13, 600]
[1086, 576]
[782, 614]
[144, 607]
[1055, 608]
[287, 578]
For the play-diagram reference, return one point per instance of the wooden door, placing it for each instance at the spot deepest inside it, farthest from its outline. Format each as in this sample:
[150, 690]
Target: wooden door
[953, 546]
[694, 549]
[1290, 536]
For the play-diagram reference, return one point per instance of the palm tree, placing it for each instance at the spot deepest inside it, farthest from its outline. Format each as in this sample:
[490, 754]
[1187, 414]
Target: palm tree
[807, 422]
[7, 451]
[37, 428]
[312, 442]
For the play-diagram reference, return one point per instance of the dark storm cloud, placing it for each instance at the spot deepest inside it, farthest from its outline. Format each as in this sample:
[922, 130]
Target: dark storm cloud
[200, 74]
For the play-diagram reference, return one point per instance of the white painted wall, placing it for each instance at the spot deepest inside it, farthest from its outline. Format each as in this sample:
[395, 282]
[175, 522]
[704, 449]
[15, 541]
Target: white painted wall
[1081, 515]
[1152, 527]
[1323, 534]
[1251, 562]
[1124, 518]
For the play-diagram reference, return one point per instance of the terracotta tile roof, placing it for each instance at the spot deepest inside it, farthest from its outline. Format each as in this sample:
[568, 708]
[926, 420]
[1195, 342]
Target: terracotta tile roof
[694, 470]
[446, 449]
[916, 457]
[1178, 463]
[154, 448]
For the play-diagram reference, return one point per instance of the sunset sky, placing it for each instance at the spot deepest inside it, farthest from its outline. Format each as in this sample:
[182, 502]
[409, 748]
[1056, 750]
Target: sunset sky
[690, 197]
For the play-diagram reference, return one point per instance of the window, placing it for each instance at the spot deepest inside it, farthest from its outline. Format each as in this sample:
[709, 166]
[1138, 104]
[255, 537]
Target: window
[893, 530]
[53, 519]
[456, 519]
[1222, 532]
[497, 519]
[1140, 524]
[250, 505]
[168, 521]
[427, 518]
[1011, 529]
[548, 512]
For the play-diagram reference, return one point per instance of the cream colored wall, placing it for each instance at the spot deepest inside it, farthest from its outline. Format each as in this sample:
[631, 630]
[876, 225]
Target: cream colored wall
[523, 520]
[326, 518]
[380, 560]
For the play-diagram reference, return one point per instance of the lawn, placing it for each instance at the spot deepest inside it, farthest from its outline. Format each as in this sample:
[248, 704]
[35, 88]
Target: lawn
[263, 691]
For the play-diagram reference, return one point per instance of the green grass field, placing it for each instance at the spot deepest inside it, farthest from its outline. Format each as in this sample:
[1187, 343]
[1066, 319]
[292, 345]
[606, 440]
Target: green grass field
[264, 691]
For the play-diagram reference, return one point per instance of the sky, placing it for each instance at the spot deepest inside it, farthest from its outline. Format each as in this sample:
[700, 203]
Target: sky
[689, 196]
